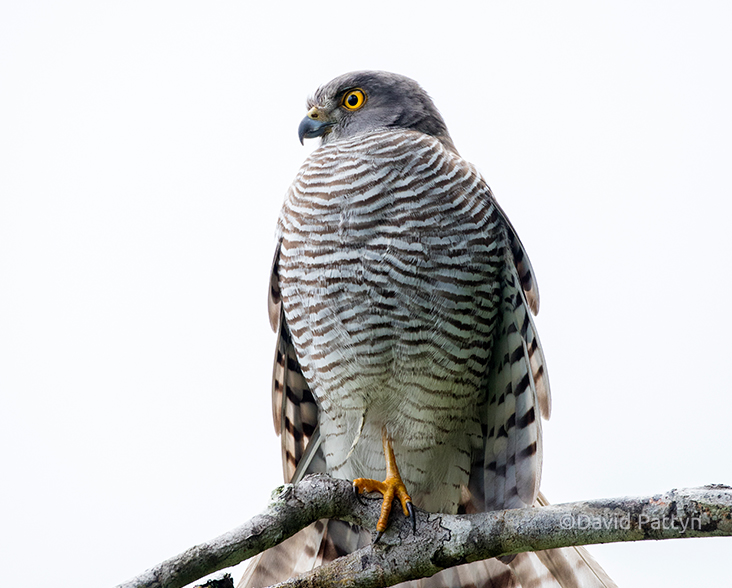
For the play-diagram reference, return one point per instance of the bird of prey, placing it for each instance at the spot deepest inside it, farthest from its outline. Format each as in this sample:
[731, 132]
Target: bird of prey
[402, 299]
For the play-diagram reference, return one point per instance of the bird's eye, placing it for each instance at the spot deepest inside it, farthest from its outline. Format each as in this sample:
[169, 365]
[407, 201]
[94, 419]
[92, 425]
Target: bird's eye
[354, 99]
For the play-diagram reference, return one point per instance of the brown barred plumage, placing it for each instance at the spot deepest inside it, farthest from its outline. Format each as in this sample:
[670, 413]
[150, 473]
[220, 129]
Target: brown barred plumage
[402, 297]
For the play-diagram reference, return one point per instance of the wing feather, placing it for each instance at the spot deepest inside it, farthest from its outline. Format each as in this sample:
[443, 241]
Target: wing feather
[521, 260]
[294, 410]
[530, 289]
[512, 458]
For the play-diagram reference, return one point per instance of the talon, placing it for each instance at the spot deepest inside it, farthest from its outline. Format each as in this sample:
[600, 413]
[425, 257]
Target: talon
[391, 488]
[378, 536]
[358, 494]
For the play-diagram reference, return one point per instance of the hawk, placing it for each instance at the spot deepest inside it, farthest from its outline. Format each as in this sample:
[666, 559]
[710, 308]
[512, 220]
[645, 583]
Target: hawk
[402, 299]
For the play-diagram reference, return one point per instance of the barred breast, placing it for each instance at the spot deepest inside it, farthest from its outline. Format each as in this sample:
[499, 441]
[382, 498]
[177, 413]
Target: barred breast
[391, 248]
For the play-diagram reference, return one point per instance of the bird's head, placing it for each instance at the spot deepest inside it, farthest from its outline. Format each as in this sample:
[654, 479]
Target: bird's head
[364, 101]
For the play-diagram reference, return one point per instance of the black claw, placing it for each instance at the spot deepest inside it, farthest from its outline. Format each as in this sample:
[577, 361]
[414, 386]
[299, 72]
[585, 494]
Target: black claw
[412, 517]
[358, 494]
[378, 536]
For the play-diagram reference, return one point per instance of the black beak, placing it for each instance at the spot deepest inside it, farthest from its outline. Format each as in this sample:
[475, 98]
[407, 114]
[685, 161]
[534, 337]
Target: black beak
[310, 128]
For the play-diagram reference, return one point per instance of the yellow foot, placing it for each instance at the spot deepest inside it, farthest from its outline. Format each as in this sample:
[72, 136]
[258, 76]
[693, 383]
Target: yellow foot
[391, 488]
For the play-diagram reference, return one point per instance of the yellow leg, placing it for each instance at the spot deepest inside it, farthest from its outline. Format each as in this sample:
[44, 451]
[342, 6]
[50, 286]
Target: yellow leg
[392, 487]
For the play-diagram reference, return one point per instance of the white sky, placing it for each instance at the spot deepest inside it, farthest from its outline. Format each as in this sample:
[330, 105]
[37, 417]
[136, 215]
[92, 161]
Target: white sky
[145, 148]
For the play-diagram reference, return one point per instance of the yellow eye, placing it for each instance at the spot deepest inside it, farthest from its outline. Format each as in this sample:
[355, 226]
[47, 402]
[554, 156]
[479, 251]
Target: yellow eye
[354, 99]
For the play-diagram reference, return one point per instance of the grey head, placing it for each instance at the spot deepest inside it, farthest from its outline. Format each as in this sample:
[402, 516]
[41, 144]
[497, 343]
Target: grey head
[364, 101]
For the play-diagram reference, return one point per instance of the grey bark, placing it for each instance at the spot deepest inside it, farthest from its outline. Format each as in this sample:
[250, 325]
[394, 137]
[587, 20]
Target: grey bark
[442, 541]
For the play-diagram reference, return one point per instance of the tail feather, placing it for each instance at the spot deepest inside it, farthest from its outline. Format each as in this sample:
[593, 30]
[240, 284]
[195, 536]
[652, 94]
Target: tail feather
[293, 556]
[574, 567]
[489, 573]
[318, 544]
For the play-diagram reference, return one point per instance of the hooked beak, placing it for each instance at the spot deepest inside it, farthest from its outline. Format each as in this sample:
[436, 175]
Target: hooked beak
[314, 125]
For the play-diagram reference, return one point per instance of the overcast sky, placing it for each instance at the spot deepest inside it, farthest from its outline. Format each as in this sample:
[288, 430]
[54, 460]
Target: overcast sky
[145, 149]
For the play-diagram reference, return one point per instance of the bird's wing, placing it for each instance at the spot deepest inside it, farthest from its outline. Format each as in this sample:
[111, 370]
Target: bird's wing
[294, 410]
[295, 415]
[522, 263]
[530, 291]
[507, 474]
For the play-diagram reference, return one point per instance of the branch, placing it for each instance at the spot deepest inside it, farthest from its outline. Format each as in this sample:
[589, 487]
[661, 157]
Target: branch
[442, 541]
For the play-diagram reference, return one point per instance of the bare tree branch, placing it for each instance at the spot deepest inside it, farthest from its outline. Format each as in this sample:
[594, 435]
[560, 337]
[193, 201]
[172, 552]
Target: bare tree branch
[441, 540]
